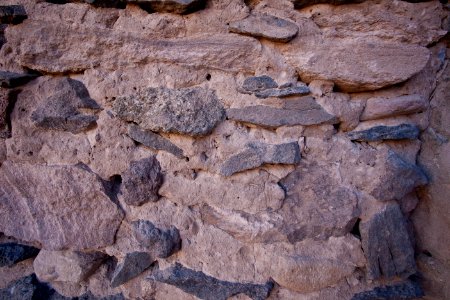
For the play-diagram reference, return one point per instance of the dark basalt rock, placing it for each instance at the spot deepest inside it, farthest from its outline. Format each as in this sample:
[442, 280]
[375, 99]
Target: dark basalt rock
[170, 6]
[160, 243]
[258, 83]
[12, 14]
[97, 3]
[141, 182]
[284, 92]
[298, 4]
[386, 244]
[61, 110]
[133, 264]
[153, 140]
[380, 133]
[258, 154]
[404, 290]
[11, 79]
[206, 287]
[12, 253]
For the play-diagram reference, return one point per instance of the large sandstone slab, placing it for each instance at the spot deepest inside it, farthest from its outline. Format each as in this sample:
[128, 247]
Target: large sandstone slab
[377, 108]
[77, 215]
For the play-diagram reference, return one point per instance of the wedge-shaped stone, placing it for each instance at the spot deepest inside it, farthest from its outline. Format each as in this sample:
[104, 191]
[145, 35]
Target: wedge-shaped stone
[206, 287]
[12, 14]
[192, 111]
[258, 154]
[386, 244]
[380, 133]
[377, 108]
[159, 242]
[133, 264]
[11, 79]
[171, 6]
[12, 253]
[59, 207]
[272, 117]
[266, 26]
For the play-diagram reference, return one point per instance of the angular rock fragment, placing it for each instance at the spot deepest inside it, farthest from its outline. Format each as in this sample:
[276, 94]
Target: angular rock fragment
[258, 154]
[160, 243]
[76, 215]
[206, 287]
[11, 79]
[404, 290]
[12, 253]
[265, 26]
[258, 83]
[272, 117]
[170, 6]
[193, 111]
[299, 4]
[284, 92]
[12, 14]
[153, 140]
[141, 182]
[386, 244]
[380, 133]
[62, 109]
[66, 266]
[377, 108]
[133, 264]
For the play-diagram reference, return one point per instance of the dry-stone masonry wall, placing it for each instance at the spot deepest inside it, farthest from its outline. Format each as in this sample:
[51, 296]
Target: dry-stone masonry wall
[224, 149]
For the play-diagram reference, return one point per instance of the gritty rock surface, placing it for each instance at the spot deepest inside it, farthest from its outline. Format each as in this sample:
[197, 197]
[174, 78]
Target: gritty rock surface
[258, 83]
[405, 290]
[378, 133]
[377, 108]
[133, 265]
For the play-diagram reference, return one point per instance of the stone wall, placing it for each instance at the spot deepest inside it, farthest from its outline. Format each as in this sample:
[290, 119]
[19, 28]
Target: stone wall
[285, 149]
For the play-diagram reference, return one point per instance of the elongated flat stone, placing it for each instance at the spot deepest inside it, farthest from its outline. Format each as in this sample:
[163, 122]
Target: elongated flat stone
[377, 108]
[170, 6]
[265, 26]
[380, 133]
[304, 3]
[284, 92]
[404, 290]
[272, 117]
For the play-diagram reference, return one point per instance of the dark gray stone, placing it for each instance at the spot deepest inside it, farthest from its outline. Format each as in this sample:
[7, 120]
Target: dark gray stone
[380, 133]
[404, 290]
[153, 140]
[284, 92]
[171, 6]
[258, 83]
[133, 264]
[272, 117]
[97, 3]
[206, 287]
[12, 14]
[12, 253]
[298, 4]
[160, 243]
[11, 79]
[386, 244]
[141, 182]
[193, 111]
[61, 110]
[258, 154]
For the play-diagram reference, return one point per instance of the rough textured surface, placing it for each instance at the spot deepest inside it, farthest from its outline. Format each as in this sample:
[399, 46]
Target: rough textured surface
[133, 264]
[284, 92]
[379, 133]
[171, 6]
[12, 80]
[406, 290]
[12, 253]
[192, 111]
[377, 108]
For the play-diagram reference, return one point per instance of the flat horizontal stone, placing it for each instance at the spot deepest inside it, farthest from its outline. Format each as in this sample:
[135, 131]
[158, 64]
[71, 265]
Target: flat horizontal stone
[170, 6]
[380, 133]
[265, 26]
[12, 253]
[153, 140]
[12, 14]
[258, 154]
[133, 264]
[11, 79]
[298, 4]
[258, 83]
[377, 108]
[192, 111]
[403, 290]
[284, 92]
[272, 117]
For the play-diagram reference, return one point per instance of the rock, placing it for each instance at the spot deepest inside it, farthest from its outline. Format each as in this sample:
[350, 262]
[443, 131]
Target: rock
[380, 133]
[133, 264]
[66, 266]
[78, 215]
[26, 288]
[153, 140]
[404, 290]
[207, 287]
[12, 253]
[160, 243]
[258, 83]
[192, 111]
[386, 244]
[377, 108]
[265, 26]
[12, 14]
[257, 154]
[170, 6]
[272, 117]
[12, 80]
[283, 92]
[62, 109]
[141, 182]
[347, 65]
[4, 104]
[299, 4]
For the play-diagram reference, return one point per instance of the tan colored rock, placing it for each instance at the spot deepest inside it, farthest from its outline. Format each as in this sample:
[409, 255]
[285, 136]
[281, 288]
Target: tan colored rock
[377, 108]
[78, 215]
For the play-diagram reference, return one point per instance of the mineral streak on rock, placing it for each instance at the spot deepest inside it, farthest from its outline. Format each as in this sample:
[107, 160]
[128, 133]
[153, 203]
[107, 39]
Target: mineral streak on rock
[12, 253]
[133, 264]
[192, 111]
[206, 287]
[266, 26]
[380, 133]
[12, 14]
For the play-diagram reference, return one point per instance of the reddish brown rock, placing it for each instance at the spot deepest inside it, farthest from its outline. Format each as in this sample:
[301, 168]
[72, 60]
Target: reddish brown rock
[377, 108]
